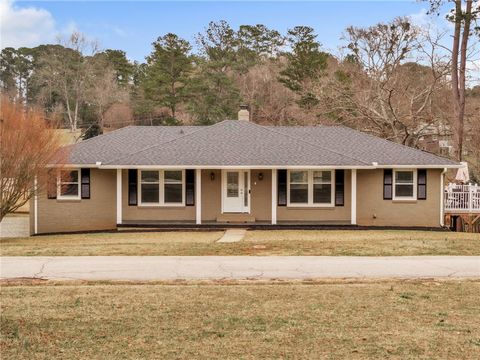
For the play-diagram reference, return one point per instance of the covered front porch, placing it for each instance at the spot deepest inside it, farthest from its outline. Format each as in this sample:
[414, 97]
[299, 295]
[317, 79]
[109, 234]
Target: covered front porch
[235, 197]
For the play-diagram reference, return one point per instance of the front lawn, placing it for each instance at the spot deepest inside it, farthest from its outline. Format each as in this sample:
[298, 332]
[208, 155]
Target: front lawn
[275, 242]
[403, 320]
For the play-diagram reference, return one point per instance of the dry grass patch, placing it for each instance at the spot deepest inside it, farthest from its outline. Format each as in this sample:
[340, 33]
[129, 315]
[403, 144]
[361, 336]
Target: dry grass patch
[365, 320]
[115, 243]
[275, 242]
[364, 242]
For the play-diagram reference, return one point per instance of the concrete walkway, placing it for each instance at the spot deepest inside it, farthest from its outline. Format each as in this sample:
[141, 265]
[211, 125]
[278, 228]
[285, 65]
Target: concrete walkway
[237, 267]
[233, 235]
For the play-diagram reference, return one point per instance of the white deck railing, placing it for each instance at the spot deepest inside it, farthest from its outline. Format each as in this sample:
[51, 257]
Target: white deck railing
[462, 198]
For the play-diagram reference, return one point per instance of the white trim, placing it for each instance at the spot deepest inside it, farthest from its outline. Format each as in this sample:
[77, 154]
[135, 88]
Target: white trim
[414, 184]
[198, 196]
[274, 196]
[248, 167]
[35, 206]
[161, 189]
[310, 183]
[416, 167]
[353, 217]
[119, 196]
[59, 186]
[442, 208]
[244, 210]
[212, 167]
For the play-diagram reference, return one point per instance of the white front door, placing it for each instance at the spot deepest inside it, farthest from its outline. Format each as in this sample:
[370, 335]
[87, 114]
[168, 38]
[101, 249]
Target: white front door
[236, 191]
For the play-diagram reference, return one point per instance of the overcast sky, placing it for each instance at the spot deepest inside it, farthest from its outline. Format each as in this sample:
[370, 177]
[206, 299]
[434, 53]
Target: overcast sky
[133, 26]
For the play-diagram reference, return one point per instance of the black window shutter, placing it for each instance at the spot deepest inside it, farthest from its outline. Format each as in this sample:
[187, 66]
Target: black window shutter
[282, 187]
[132, 187]
[387, 184]
[422, 184]
[52, 184]
[190, 187]
[85, 183]
[339, 187]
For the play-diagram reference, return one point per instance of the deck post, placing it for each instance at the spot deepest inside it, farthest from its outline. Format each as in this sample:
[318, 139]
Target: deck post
[119, 196]
[274, 196]
[470, 198]
[198, 196]
[354, 198]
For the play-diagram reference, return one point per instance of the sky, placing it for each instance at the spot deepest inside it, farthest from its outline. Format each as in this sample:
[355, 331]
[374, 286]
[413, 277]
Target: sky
[132, 26]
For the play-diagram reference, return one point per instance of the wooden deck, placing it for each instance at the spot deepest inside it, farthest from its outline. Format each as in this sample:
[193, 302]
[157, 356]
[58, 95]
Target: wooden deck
[462, 207]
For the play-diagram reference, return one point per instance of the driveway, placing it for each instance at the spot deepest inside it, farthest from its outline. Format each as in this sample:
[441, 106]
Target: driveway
[237, 267]
[16, 225]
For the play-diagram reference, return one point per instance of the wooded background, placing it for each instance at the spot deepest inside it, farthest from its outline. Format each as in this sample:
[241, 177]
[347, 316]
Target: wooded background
[394, 80]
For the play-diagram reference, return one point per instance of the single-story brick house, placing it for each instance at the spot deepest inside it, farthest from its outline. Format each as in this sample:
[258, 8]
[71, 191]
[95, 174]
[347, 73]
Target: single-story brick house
[239, 172]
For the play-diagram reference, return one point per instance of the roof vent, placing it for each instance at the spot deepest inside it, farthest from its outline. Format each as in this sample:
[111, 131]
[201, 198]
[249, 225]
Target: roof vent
[244, 114]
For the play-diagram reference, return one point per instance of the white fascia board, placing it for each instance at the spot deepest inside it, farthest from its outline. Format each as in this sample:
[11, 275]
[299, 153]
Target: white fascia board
[235, 167]
[77, 166]
[418, 166]
[100, 166]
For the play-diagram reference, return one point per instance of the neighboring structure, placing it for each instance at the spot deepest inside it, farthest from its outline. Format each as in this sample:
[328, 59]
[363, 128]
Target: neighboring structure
[237, 171]
[462, 207]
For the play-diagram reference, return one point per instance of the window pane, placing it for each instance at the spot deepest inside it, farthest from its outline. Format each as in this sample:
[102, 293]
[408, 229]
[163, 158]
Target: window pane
[299, 176]
[405, 177]
[173, 193]
[299, 193]
[322, 177]
[232, 184]
[69, 176]
[150, 193]
[173, 176]
[245, 189]
[69, 190]
[404, 190]
[322, 193]
[150, 176]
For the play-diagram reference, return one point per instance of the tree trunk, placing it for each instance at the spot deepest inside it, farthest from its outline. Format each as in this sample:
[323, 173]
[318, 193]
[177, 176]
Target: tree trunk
[458, 72]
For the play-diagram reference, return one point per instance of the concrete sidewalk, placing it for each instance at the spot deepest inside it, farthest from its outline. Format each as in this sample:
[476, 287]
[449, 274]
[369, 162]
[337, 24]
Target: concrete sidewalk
[142, 268]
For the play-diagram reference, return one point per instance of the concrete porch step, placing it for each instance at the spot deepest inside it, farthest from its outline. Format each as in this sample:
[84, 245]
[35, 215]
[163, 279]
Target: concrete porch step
[236, 218]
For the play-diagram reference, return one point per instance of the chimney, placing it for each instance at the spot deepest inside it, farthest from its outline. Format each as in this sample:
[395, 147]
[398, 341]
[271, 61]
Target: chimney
[244, 114]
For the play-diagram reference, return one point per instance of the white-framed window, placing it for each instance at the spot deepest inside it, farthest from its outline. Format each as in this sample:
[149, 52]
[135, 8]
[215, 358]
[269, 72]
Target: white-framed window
[310, 188]
[68, 184]
[161, 187]
[404, 184]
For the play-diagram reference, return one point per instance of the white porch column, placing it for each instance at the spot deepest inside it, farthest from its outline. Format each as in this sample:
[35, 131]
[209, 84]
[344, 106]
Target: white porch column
[119, 196]
[442, 197]
[354, 197]
[35, 206]
[198, 196]
[274, 196]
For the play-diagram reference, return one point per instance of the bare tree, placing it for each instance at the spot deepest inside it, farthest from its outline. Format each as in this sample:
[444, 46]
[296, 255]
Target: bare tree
[104, 91]
[67, 70]
[27, 145]
[390, 83]
[463, 16]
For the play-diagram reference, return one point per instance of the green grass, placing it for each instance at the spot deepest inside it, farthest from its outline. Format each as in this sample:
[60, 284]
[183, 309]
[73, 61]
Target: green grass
[278, 242]
[403, 320]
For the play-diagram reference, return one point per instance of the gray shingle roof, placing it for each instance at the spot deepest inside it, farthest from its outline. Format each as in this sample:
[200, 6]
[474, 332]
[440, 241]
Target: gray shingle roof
[242, 143]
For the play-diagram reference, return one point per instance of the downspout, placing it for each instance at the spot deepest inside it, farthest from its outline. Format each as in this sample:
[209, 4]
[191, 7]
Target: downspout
[442, 195]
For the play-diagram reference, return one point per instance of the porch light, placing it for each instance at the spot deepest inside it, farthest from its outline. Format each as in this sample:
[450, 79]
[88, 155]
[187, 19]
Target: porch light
[212, 176]
[260, 176]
